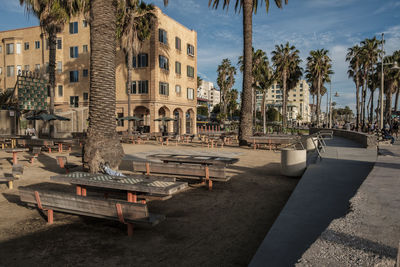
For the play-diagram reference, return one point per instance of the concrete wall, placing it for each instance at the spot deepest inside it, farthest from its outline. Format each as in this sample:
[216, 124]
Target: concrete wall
[366, 140]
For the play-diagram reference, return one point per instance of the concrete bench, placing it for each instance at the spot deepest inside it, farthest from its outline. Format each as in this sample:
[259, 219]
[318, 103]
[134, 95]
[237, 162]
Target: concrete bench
[118, 210]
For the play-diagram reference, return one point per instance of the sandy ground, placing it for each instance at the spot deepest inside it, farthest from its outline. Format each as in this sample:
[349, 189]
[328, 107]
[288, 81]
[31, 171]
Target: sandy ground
[223, 227]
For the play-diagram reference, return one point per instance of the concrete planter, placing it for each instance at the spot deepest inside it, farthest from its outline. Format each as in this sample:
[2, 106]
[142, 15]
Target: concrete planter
[308, 143]
[293, 162]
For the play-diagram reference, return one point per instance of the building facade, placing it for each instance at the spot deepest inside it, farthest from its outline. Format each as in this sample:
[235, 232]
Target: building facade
[298, 108]
[164, 73]
[207, 91]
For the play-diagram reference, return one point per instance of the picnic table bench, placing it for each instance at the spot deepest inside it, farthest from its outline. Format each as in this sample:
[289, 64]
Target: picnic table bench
[63, 200]
[269, 141]
[15, 152]
[207, 168]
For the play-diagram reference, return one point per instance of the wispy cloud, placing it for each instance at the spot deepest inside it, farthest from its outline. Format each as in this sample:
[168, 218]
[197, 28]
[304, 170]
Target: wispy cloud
[11, 6]
[389, 6]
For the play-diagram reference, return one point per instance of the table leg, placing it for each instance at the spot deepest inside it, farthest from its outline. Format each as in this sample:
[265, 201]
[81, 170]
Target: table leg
[78, 190]
[131, 197]
[15, 158]
[50, 216]
[84, 191]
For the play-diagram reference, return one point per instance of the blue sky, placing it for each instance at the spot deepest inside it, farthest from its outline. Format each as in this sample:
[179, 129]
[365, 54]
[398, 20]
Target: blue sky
[308, 24]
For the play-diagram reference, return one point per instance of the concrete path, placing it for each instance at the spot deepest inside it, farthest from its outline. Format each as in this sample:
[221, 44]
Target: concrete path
[322, 195]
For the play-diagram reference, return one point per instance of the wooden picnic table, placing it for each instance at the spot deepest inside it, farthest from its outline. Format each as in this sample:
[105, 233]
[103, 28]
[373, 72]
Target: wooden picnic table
[132, 184]
[271, 140]
[194, 159]
[15, 151]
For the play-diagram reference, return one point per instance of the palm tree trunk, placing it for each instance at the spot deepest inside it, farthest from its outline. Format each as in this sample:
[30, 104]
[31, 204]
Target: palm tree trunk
[103, 145]
[52, 73]
[396, 101]
[263, 112]
[245, 129]
[284, 103]
[358, 99]
[129, 78]
[371, 112]
[318, 99]
[368, 108]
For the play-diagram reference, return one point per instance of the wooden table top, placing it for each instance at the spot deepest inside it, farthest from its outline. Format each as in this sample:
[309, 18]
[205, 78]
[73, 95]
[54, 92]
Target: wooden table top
[196, 159]
[135, 183]
[12, 150]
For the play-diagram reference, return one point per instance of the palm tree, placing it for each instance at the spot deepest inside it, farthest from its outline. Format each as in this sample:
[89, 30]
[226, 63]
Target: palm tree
[319, 67]
[52, 15]
[369, 57]
[392, 80]
[354, 58]
[284, 59]
[225, 81]
[248, 6]
[135, 20]
[396, 57]
[373, 83]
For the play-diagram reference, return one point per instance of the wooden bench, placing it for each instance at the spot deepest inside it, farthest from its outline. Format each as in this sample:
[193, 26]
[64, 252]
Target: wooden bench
[118, 210]
[191, 171]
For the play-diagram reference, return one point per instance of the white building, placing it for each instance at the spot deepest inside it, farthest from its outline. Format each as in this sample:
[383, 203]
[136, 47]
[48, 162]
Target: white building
[207, 91]
[298, 108]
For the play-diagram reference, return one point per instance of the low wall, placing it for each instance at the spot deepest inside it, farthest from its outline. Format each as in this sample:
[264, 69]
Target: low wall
[366, 140]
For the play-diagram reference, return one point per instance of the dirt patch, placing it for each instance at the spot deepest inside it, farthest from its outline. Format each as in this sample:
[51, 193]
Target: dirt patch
[223, 227]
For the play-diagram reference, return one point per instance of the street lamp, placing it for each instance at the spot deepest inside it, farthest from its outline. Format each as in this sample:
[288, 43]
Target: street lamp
[330, 107]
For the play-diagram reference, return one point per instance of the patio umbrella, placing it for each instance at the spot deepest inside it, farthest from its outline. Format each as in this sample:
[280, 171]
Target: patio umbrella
[165, 119]
[47, 117]
[130, 118]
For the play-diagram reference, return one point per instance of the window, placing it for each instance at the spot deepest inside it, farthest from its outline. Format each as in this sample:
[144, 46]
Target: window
[59, 43]
[85, 73]
[301, 94]
[9, 49]
[19, 69]
[37, 44]
[178, 89]
[143, 87]
[190, 50]
[74, 76]
[10, 71]
[26, 46]
[162, 36]
[59, 66]
[142, 60]
[84, 23]
[134, 61]
[272, 87]
[301, 90]
[190, 71]
[18, 48]
[73, 51]
[120, 122]
[85, 96]
[133, 87]
[37, 67]
[190, 93]
[177, 67]
[85, 48]
[294, 95]
[301, 85]
[164, 88]
[60, 91]
[277, 86]
[163, 62]
[73, 27]
[74, 101]
[178, 43]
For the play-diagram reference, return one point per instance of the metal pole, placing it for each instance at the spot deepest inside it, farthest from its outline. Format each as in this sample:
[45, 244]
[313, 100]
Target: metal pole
[382, 85]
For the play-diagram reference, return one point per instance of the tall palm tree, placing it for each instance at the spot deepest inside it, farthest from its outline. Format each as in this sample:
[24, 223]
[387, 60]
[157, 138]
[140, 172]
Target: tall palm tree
[369, 57]
[396, 57]
[354, 58]
[248, 6]
[392, 79]
[320, 67]
[52, 15]
[373, 84]
[135, 20]
[284, 58]
[225, 81]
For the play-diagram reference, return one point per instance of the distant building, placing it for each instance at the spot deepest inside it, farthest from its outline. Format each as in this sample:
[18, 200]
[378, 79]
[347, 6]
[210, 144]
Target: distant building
[298, 108]
[207, 91]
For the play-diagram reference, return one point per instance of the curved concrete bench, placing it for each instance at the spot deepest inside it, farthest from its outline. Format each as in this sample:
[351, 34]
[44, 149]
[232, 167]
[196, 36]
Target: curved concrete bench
[365, 140]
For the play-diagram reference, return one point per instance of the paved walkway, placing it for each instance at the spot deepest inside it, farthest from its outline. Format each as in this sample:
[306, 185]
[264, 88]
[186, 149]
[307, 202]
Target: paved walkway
[335, 212]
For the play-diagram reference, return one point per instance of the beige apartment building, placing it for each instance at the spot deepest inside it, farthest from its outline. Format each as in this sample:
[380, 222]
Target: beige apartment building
[298, 109]
[164, 73]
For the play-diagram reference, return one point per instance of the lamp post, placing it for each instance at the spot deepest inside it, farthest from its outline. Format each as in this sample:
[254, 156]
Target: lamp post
[381, 89]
